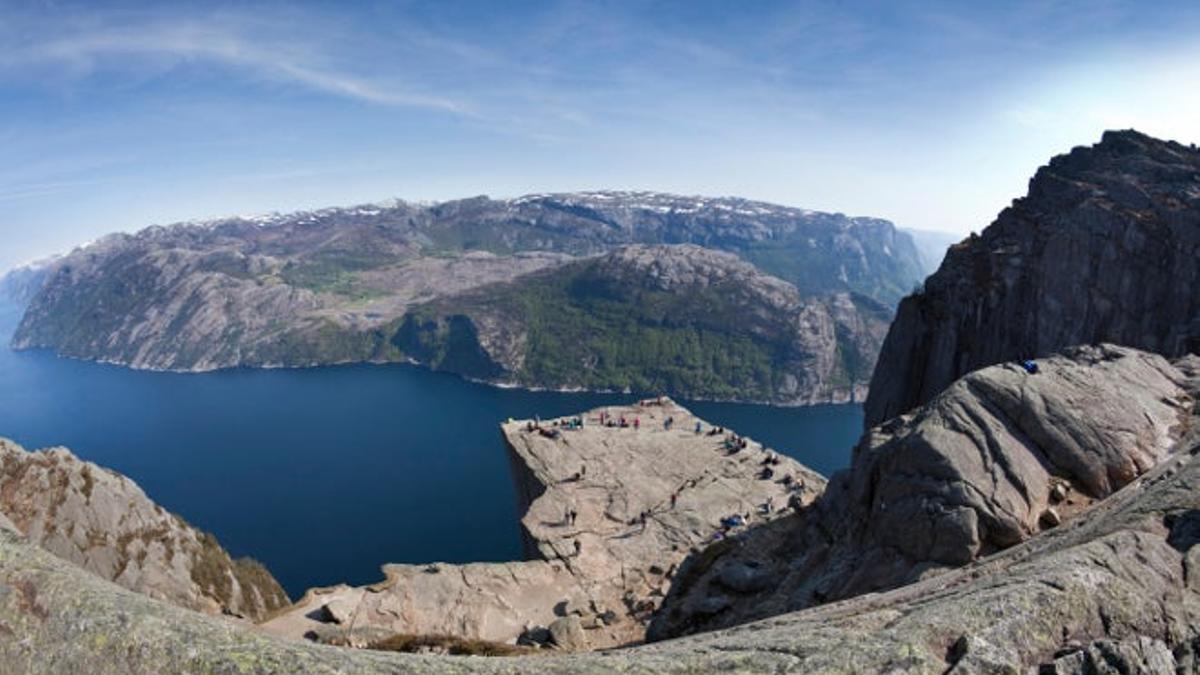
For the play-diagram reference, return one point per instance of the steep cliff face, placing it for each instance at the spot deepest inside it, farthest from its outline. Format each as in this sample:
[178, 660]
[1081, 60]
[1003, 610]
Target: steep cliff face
[19, 286]
[104, 523]
[679, 319]
[995, 459]
[1105, 247]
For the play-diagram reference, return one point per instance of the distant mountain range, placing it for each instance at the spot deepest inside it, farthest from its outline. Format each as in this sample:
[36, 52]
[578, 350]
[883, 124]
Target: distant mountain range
[335, 285]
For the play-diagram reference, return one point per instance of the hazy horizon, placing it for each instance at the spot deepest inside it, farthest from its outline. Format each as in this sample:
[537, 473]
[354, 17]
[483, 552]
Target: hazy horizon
[117, 116]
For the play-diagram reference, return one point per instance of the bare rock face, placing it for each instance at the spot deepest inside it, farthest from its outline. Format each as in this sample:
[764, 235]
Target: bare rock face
[1105, 248]
[610, 512]
[996, 458]
[104, 523]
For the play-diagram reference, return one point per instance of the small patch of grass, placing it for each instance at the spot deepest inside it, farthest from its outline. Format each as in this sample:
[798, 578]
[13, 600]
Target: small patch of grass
[448, 645]
[88, 482]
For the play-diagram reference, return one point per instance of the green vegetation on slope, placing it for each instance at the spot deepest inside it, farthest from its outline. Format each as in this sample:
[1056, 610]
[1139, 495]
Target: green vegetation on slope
[581, 330]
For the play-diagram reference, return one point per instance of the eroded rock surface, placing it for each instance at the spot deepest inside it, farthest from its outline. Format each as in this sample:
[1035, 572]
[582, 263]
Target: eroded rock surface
[998, 457]
[103, 522]
[610, 512]
[1105, 248]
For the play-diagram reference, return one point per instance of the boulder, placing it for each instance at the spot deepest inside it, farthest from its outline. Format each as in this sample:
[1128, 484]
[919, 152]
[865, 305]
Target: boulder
[567, 633]
[965, 476]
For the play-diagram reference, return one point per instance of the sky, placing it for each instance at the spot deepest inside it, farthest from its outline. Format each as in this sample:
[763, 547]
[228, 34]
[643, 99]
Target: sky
[116, 116]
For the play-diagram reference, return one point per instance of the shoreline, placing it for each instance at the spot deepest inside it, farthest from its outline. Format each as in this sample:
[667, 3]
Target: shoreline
[854, 397]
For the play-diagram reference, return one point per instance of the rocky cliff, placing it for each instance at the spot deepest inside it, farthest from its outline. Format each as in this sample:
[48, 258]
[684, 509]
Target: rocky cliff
[331, 286]
[679, 319]
[996, 458]
[1111, 590]
[612, 510]
[18, 286]
[105, 524]
[1104, 248]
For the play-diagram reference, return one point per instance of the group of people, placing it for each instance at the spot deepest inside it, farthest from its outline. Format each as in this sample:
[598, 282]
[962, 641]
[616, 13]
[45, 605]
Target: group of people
[735, 444]
[622, 421]
[553, 431]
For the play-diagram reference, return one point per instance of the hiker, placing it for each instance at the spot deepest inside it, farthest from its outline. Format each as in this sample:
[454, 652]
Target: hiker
[674, 498]
[668, 422]
[637, 422]
[574, 515]
[583, 471]
[1030, 366]
[699, 427]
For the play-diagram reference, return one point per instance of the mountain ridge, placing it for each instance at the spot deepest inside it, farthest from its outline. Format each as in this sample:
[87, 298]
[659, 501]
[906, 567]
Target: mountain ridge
[334, 285]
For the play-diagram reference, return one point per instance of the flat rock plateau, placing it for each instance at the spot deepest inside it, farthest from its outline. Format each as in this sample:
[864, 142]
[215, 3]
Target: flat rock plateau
[610, 511]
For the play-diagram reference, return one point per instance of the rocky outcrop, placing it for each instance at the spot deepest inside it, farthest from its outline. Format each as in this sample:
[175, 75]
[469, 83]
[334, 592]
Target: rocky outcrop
[104, 523]
[332, 285]
[1104, 248]
[613, 511]
[996, 458]
[1116, 582]
[19, 285]
[679, 319]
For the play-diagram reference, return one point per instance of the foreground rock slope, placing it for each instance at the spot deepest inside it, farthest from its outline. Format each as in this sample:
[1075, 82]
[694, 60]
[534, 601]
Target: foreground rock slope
[103, 522]
[609, 513]
[998, 457]
[679, 319]
[1117, 582]
[1104, 248]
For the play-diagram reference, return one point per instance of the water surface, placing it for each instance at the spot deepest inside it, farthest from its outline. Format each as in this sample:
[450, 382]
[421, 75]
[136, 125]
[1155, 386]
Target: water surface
[324, 474]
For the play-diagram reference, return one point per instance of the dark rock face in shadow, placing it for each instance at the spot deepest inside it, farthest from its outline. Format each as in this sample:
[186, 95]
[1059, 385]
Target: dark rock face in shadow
[1105, 248]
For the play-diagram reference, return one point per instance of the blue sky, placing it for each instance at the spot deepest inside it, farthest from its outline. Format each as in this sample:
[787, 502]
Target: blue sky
[114, 116]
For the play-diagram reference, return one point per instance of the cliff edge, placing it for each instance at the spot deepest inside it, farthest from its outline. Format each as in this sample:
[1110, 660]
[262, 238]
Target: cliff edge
[104, 523]
[1104, 248]
[615, 499]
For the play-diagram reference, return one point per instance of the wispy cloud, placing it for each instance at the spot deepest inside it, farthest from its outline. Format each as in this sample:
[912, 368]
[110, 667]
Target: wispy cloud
[82, 47]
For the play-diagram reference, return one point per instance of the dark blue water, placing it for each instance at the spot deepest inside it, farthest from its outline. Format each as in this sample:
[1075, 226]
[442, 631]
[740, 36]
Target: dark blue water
[325, 474]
